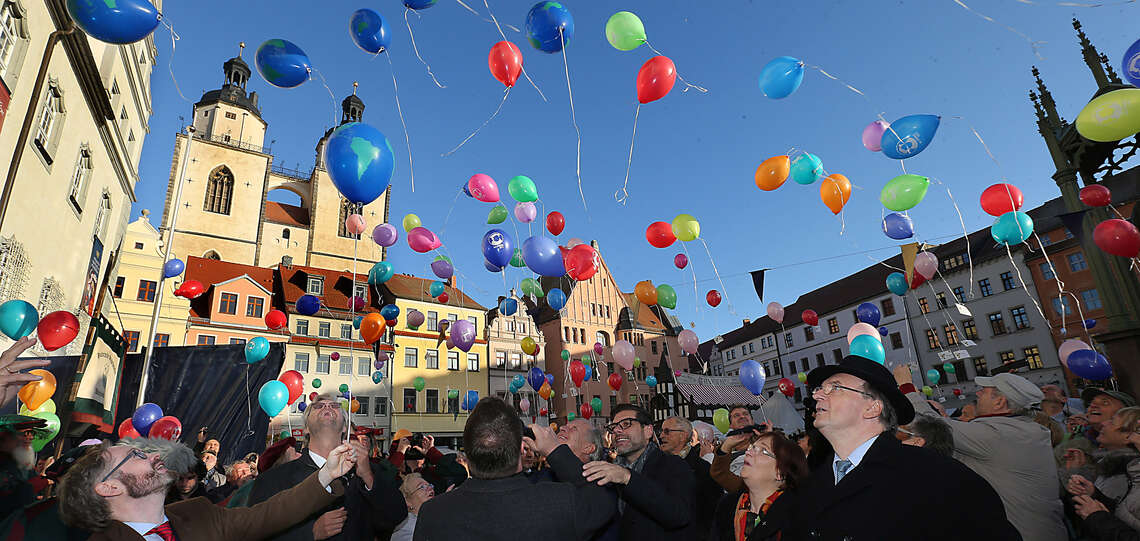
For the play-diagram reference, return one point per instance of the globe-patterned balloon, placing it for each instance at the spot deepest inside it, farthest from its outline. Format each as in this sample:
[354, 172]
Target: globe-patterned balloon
[360, 161]
[114, 21]
[1131, 63]
[282, 63]
[370, 31]
[419, 4]
[543, 24]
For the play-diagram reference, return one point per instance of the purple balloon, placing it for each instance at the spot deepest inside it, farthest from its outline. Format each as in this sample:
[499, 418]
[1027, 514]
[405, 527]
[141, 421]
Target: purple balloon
[873, 135]
[681, 261]
[463, 334]
[442, 268]
[525, 212]
[550, 378]
[415, 318]
[379, 363]
[385, 235]
[358, 303]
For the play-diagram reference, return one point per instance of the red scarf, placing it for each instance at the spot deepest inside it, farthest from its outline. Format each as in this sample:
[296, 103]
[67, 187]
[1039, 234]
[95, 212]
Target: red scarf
[744, 507]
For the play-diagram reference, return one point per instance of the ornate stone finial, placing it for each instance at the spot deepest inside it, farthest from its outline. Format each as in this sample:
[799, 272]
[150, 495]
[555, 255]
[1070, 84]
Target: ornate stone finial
[1112, 76]
[354, 85]
[241, 48]
[1081, 33]
[1048, 107]
[145, 213]
[1037, 106]
[1092, 57]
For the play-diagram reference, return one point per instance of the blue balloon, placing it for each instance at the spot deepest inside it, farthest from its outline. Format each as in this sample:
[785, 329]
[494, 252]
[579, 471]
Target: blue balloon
[550, 378]
[909, 135]
[934, 376]
[543, 256]
[898, 226]
[120, 22]
[752, 376]
[467, 191]
[419, 4]
[173, 268]
[148, 413]
[869, 313]
[469, 400]
[548, 26]
[869, 347]
[390, 311]
[381, 272]
[1089, 364]
[442, 269]
[356, 322]
[282, 63]
[436, 288]
[1012, 227]
[308, 305]
[806, 168]
[781, 77]
[369, 31]
[491, 266]
[556, 298]
[1131, 64]
[301, 406]
[498, 247]
[256, 349]
[589, 371]
[508, 307]
[518, 381]
[272, 397]
[18, 318]
[651, 381]
[536, 378]
[1090, 323]
[896, 282]
[360, 161]
[883, 331]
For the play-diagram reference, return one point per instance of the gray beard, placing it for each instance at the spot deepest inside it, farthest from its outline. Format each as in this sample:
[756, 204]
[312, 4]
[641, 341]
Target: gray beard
[25, 457]
[139, 486]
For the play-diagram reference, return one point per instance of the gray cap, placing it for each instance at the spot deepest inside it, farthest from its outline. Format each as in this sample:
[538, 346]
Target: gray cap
[1018, 391]
[1090, 393]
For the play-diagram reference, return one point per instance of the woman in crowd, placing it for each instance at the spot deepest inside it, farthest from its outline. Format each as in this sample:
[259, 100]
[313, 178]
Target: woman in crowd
[416, 491]
[1107, 518]
[773, 467]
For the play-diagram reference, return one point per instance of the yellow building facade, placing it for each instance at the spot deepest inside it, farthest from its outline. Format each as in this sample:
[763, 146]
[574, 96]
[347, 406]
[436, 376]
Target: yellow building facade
[135, 290]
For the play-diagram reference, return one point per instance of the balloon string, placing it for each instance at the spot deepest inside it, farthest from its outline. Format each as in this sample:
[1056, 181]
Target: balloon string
[448, 217]
[965, 235]
[400, 110]
[687, 84]
[621, 199]
[416, 49]
[1035, 45]
[1026, 288]
[985, 147]
[506, 93]
[929, 325]
[174, 38]
[504, 36]
[351, 342]
[731, 308]
[326, 85]
[469, 8]
[248, 407]
[574, 119]
[696, 300]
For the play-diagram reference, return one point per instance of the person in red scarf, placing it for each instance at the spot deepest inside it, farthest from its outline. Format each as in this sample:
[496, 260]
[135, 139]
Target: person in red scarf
[773, 467]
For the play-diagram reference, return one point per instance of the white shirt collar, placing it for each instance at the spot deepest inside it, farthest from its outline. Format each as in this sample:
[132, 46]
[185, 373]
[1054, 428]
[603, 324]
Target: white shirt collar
[143, 527]
[856, 456]
[317, 459]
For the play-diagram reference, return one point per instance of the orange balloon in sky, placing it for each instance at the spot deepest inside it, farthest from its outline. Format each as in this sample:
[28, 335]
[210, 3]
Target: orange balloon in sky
[646, 293]
[372, 327]
[545, 391]
[835, 191]
[35, 393]
[772, 173]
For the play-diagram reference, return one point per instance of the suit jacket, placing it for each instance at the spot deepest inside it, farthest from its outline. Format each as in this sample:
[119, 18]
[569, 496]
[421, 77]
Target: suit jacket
[371, 513]
[659, 500]
[899, 492]
[707, 491]
[198, 519]
[493, 509]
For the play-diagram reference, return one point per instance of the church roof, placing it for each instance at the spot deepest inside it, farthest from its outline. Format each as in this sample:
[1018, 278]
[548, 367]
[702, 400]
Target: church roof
[282, 213]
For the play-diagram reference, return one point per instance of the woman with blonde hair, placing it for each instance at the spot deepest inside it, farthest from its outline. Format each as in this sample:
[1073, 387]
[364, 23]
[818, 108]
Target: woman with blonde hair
[416, 491]
[1106, 518]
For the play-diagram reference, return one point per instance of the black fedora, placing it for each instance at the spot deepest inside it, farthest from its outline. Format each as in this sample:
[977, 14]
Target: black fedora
[875, 374]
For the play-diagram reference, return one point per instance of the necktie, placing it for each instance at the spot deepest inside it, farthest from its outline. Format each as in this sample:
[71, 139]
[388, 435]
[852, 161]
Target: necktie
[841, 469]
[164, 531]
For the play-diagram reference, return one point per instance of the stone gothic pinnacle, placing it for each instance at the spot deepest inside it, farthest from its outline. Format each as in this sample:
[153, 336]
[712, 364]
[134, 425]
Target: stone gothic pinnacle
[1047, 109]
[1092, 57]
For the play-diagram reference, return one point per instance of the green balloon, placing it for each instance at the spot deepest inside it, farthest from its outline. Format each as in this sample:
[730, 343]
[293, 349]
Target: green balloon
[587, 358]
[522, 189]
[48, 406]
[442, 258]
[45, 435]
[317, 383]
[344, 387]
[637, 362]
[666, 296]
[419, 383]
[517, 259]
[530, 286]
[596, 403]
[497, 215]
[565, 355]
[411, 221]
[949, 368]
[625, 31]
[285, 434]
[571, 416]
[904, 192]
[453, 393]
[720, 419]
[926, 390]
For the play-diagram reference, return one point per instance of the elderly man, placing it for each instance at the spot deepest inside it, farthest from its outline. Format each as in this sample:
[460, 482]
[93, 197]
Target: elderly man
[215, 476]
[862, 492]
[1101, 405]
[676, 436]
[583, 439]
[679, 438]
[17, 461]
[1054, 402]
[931, 432]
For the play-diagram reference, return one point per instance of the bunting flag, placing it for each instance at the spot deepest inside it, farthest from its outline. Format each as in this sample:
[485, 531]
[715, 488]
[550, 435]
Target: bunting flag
[758, 282]
[1074, 222]
[909, 251]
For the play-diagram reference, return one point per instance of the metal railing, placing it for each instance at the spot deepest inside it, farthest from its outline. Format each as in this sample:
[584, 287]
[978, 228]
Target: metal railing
[298, 174]
[231, 142]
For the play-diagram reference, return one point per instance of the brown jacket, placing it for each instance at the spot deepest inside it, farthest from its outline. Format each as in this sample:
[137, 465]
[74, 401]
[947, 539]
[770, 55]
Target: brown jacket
[719, 471]
[199, 520]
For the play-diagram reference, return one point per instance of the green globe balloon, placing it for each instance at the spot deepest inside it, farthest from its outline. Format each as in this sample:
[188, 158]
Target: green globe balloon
[637, 362]
[419, 383]
[453, 393]
[949, 368]
[523, 189]
[596, 403]
[343, 387]
[317, 383]
[571, 417]
[284, 434]
[666, 296]
[625, 31]
[517, 259]
[565, 355]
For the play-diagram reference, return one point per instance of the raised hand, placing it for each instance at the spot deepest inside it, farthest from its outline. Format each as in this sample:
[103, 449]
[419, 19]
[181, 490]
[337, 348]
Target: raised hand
[10, 377]
[339, 462]
[604, 473]
[545, 440]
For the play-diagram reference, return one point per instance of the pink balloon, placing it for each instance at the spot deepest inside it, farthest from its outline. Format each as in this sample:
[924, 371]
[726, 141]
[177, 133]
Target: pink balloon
[1068, 347]
[873, 135]
[623, 353]
[776, 312]
[926, 264]
[525, 212]
[598, 348]
[358, 303]
[483, 188]
[355, 224]
[681, 261]
[688, 340]
[422, 240]
[862, 328]
[524, 405]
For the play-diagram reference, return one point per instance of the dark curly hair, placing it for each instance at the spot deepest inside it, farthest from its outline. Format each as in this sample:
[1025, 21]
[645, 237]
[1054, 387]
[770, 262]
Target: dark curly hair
[79, 505]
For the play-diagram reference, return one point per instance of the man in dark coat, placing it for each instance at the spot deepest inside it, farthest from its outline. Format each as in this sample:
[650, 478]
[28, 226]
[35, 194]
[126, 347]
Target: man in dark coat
[877, 488]
[499, 502]
[371, 506]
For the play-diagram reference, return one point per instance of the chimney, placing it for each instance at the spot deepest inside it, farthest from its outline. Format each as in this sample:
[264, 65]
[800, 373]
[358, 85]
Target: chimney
[451, 281]
[287, 261]
[747, 321]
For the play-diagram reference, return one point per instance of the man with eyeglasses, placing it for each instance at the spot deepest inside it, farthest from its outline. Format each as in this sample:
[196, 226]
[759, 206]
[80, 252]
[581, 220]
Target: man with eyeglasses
[679, 438]
[868, 489]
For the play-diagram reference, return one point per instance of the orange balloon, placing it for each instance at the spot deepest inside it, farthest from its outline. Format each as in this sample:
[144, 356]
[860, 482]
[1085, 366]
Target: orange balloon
[545, 391]
[646, 293]
[554, 427]
[772, 173]
[355, 406]
[35, 393]
[835, 191]
[372, 327]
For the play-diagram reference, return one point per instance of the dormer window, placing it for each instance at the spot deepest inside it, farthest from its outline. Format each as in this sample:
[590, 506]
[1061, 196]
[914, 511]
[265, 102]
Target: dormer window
[315, 286]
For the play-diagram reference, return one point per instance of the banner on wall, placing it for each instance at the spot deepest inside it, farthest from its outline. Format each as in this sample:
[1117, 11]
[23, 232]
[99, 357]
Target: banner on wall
[91, 281]
[95, 391]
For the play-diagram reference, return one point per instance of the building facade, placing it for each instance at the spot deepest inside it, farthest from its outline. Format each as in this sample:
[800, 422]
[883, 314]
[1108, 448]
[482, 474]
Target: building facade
[507, 358]
[135, 290]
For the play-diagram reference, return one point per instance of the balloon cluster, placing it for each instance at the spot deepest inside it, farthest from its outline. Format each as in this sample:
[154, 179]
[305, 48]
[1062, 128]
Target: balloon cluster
[148, 421]
[18, 318]
[834, 191]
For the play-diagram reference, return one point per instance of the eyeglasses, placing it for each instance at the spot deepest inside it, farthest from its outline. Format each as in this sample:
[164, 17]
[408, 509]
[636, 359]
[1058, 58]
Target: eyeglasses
[756, 448]
[424, 486]
[827, 388]
[667, 431]
[324, 404]
[624, 424]
[134, 453]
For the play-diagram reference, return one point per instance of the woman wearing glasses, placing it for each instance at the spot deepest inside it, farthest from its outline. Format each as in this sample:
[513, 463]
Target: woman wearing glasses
[416, 491]
[761, 510]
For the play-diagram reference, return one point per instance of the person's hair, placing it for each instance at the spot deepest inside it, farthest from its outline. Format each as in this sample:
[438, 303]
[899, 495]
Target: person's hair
[639, 413]
[493, 435]
[791, 464]
[888, 418]
[1060, 390]
[410, 485]
[734, 408]
[1014, 412]
[79, 505]
[594, 436]
[209, 452]
[686, 424]
[937, 433]
[232, 466]
[1129, 418]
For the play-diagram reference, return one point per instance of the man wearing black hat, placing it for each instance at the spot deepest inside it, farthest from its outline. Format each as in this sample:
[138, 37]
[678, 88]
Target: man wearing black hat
[875, 487]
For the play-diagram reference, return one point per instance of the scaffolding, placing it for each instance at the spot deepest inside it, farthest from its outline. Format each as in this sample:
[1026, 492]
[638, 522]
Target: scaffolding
[14, 269]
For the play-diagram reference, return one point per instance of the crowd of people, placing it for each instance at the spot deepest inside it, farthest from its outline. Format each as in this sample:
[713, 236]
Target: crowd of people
[877, 461]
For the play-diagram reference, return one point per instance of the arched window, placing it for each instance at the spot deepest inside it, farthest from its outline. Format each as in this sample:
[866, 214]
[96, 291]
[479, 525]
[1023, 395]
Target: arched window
[285, 233]
[219, 191]
[347, 209]
[212, 255]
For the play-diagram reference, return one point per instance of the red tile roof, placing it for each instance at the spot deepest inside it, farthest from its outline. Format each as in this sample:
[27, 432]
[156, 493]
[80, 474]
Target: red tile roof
[405, 286]
[213, 271]
[286, 214]
[338, 287]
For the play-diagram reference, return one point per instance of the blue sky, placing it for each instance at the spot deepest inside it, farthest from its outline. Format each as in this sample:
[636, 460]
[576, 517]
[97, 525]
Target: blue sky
[695, 153]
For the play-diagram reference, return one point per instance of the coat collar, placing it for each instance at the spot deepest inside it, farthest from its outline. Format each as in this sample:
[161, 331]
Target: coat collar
[495, 485]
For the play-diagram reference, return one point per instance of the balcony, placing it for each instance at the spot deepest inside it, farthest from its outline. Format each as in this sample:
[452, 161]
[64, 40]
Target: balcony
[303, 175]
[231, 142]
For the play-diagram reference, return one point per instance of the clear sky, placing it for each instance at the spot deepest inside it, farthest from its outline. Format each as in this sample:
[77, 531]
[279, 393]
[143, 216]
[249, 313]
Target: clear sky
[695, 152]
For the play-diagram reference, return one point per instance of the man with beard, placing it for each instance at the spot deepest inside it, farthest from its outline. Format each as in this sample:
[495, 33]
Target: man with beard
[17, 462]
[117, 492]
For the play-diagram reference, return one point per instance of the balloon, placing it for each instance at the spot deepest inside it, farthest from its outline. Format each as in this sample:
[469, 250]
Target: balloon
[167, 427]
[614, 381]
[1111, 116]
[835, 191]
[752, 376]
[535, 378]
[1096, 195]
[497, 215]
[860, 329]
[507, 307]
[787, 387]
[949, 368]
[57, 329]
[545, 391]
[904, 192]
[898, 226]
[517, 259]
[483, 188]
[308, 305]
[343, 387]
[35, 393]
[883, 331]
[146, 415]
[127, 430]
[623, 353]
[334, 355]
[926, 264]
[645, 292]
[688, 341]
[581, 262]
[660, 235]
[780, 78]
[655, 79]
[411, 221]
[48, 406]
[422, 240]
[523, 190]
[806, 168]
[720, 419]
[360, 162]
[301, 405]
[680, 261]
[525, 212]
[119, 22]
[1090, 323]
[385, 235]
[530, 286]
[293, 381]
[666, 296]
[52, 430]
[437, 288]
[372, 328]
[419, 4]
[256, 349]
[565, 354]
[802, 376]
[908, 136]
[1089, 364]
[686, 227]
[555, 223]
[957, 392]
[524, 405]
[543, 257]
[810, 317]
[713, 298]
[772, 173]
[549, 26]
[1001, 198]
[625, 31]
[651, 380]
[355, 406]
[896, 282]
[381, 272]
[173, 268]
[354, 224]
[927, 390]
[869, 347]
[1068, 347]
[1130, 63]
[282, 63]
[272, 397]
[574, 242]
[369, 31]
[191, 289]
[1117, 237]
[586, 411]
[18, 318]
[276, 319]
[873, 135]
[419, 383]
[589, 371]
[498, 247]
[415, 318]
[390, 311]
[933, 375]
[506, 62]
[556, 298]
[776, 312]
[549, 379]
[1012, 228]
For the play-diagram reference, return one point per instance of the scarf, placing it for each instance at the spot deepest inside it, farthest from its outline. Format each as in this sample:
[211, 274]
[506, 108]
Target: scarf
[636, 465]
[744, 520]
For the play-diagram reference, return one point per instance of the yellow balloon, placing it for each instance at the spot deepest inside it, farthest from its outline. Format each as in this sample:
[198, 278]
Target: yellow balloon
[528, 346]
[720, 419]
[411, 221]
[46, 407]
[686, 227]
[1111, 117]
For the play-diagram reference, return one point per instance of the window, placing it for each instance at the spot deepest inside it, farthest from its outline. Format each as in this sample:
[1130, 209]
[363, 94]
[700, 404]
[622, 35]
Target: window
[363, 367]
[996, 324]
[940, 299]
[48, 128]
[896, 340]
[984, 284]
[410, 400]
[751, 347]
[960, 294]
[119, 283]
[381, 406]
[653, 346]
[888, 307]
[285, 233]
[608, 312]
[1006, 357]
[809, 334]
[575, 329]
[1077, 262]
[788, 339]
[791, 367]
[1020, 318]
[593, 310]
[346, 332]
[344, 367]
[431, 401]
[923, 305]
[832, 326]
[1063, 301]
[818, 361]
[452, 360]
[1007, 282]
[77, 193]
[1047, 270]
[522, 327]
[254, 306]
[516, 360]
[146, 290]
[452, 317]
[219, 191]
[161, 340]
[363, 405]
[836, 354]
[500, 358]
[301, 363]
[603, 339]
[315, 285]
[411, 359]
[951, 334]
[347, 209]
[980, 367]
[472, 362]
[566, 333]
[302, 327]
[132, 338]
[969, 330]
[204, 340]
[1091, 298]
[237, 341]
[324, 364]
[1033, 356]
[804, 364]
[932, 339]
[582, 333]
[432, 321]
[955, 261]
[324, 329]
[231, 115]
[743, 349]
[11, 37]
[228, 304]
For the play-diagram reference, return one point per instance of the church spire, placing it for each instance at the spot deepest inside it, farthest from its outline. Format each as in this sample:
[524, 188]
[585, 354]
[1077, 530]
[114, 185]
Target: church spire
[1092, 57]
[352, 108]
[1047, 108]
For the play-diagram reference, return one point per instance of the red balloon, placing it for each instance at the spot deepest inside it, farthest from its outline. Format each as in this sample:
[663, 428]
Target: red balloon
[192, 289]
[443, 297]
[505, 61]
[810, 317]
[57, 329]
[655, 79]
[313, 396]
[581, 262]
[787, 387]
[1096, 195]
[660, 234]
[713, 298]
[577, 372]
[390, 322]
[543, 412]
[615, 381]
[127, 430]
[1117, 237]
[1001, 198]
[167, 428]
[295, 382]
[957, 392]
[555, 223]
[586, 410]
[916, 280]
[275, 319]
